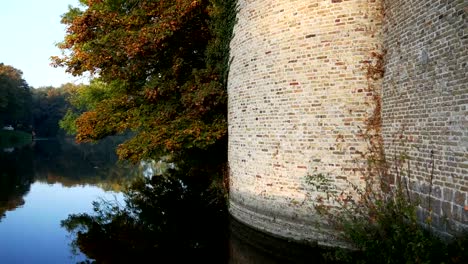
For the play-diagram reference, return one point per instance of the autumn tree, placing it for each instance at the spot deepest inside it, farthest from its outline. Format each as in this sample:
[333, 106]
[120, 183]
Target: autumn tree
[165, 64]
[15, 98]
[83, 98]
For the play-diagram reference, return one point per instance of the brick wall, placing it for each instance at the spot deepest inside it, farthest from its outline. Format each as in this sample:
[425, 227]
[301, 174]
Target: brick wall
[298, 100]
[425, 101]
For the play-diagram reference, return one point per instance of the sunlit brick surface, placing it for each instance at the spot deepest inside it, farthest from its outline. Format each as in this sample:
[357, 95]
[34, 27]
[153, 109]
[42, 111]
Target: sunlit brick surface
[298, 99]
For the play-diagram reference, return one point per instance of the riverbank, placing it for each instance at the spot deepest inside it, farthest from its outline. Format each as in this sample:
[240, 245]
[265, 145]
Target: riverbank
[11, 139]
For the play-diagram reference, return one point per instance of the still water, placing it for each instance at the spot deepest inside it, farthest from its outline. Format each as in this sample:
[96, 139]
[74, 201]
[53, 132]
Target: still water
[43, 184]
[40, 185]
[31, 233]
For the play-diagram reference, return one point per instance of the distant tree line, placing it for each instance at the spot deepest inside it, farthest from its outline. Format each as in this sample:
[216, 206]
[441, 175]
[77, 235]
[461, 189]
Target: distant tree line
[28, 109]
[15, 98]
[49, 106]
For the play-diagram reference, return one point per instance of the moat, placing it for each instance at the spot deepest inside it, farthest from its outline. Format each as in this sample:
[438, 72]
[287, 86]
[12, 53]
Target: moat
[42, 184]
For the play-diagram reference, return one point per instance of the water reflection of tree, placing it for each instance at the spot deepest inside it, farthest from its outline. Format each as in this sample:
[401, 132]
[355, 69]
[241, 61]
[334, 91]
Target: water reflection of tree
[162, 216]
[60, 161]
[71, 164]
[16, 176]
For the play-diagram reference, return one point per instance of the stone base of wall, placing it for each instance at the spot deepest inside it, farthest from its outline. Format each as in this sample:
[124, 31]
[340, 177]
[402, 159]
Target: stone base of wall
[319, 233]
[440, 209]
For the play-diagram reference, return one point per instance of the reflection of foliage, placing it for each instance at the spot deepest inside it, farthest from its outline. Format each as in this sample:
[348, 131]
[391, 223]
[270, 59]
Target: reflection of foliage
[71, 164]
[16, 176]
[162, 215]
[10, 139]
[63, 162]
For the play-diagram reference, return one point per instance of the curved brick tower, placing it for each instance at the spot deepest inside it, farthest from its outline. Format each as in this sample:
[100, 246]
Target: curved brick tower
[298, 100]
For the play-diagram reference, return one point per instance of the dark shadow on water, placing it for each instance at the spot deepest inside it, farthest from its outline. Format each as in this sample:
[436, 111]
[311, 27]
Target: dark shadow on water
[250, 246]
[173, 221]
[16, 177]
[165, 220]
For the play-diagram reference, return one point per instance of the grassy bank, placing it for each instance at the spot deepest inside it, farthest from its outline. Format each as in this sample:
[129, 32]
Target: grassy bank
[9, 139]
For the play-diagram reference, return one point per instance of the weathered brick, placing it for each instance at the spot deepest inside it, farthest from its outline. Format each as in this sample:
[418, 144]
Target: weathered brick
[300, 102]
[460, 198]
[424, 80]
[299, 97]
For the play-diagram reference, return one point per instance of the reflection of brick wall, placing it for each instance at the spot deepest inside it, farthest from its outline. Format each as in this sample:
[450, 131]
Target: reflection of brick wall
[425, 99]
[297, 100]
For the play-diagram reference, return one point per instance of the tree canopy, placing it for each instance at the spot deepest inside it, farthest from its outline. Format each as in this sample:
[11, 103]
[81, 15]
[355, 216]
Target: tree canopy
[49, 105]
[28, 109]
[15, 98]
[163, 66]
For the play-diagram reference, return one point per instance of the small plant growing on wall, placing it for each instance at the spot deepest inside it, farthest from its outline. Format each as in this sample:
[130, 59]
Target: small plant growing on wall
[380, 220]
